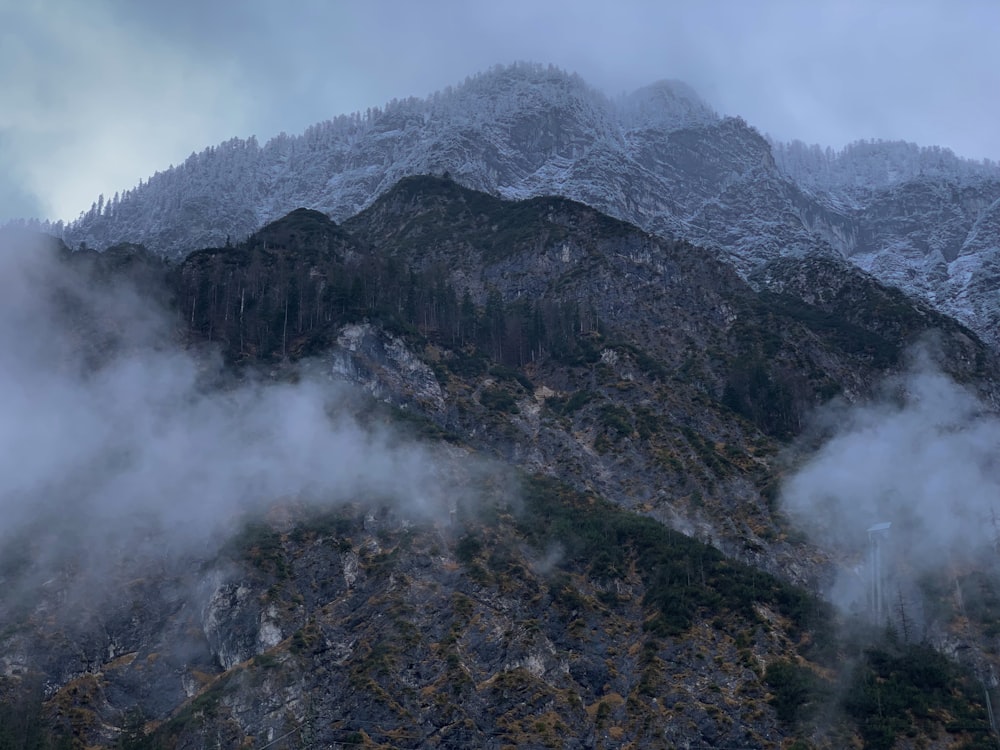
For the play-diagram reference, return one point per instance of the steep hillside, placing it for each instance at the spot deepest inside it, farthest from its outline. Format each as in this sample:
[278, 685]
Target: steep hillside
[638, 355]
[546, 515]
[916, 218]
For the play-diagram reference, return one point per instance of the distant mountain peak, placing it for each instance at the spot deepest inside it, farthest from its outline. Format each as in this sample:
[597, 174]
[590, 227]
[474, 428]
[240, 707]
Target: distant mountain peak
[669, 104]
[531, 72]
[867, 165]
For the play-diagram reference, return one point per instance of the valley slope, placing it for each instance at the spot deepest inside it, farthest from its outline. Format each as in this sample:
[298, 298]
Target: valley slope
[608, 416]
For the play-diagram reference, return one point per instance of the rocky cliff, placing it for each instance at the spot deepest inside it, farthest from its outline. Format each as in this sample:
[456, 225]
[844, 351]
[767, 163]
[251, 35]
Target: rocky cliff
[545, 514]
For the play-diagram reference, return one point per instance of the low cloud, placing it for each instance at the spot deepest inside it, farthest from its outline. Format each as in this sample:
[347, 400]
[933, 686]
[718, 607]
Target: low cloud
[114, 436]
[923, 457]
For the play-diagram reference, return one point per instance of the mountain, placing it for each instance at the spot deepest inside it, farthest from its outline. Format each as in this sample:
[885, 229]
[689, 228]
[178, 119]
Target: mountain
[544, 513]
[917, 219]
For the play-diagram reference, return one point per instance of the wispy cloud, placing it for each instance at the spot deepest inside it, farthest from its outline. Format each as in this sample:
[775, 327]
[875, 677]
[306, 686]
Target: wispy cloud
[923, 457]
[114, 435]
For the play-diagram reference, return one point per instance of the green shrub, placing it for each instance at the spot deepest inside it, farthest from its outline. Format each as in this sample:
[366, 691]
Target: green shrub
[468, 549]
[497, 399]
[617, 420]
[681, 575]
[796, 690]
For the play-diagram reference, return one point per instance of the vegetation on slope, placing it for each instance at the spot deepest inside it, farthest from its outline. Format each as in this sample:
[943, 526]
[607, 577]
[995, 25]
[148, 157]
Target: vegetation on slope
[664, 382]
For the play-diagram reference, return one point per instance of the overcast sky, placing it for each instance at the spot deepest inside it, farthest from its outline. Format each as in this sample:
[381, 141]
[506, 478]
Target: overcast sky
[95, 95]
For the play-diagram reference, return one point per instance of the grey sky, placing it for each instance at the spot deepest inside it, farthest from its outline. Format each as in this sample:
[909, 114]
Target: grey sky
[96, 95]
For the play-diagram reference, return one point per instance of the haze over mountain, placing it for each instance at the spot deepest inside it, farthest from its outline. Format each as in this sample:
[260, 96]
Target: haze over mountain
[80, 123]
[515, 417]
[920, 219]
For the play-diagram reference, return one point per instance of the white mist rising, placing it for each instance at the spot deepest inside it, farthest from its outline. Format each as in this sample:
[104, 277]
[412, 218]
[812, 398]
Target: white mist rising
[99, 457]
[923, 457]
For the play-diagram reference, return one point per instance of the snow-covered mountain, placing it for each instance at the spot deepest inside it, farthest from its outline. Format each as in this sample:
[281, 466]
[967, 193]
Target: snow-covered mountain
[864, 166]
[919, 219]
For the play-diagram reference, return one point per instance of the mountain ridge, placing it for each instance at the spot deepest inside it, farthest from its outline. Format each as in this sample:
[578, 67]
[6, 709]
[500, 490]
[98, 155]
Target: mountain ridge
[584, 541]
[659, 158]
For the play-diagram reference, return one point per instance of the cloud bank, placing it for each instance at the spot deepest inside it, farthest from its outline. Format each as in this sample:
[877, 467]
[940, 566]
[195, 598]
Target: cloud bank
[114, 437]
[925, 457]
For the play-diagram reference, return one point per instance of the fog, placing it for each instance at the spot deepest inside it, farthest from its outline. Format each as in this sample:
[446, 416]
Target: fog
[923, 456]
[115, 437]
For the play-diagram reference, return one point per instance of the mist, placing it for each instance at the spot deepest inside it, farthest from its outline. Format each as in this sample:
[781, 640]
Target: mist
[923, 456]
[117, 441]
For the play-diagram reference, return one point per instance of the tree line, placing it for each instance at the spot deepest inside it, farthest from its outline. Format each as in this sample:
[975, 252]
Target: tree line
[266, 303]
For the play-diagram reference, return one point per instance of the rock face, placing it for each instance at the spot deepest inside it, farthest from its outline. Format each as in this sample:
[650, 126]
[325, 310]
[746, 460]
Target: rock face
[386, 368]
[443, 635]
[610, 408]
[572, 344]
[917, 219]
[924, 222]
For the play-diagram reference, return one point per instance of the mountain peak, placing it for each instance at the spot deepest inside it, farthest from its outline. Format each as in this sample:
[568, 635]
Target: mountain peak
[668, 104]
[308, 214]
[303, 225]
[526, 89]
[300, 219]
[530, 72]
